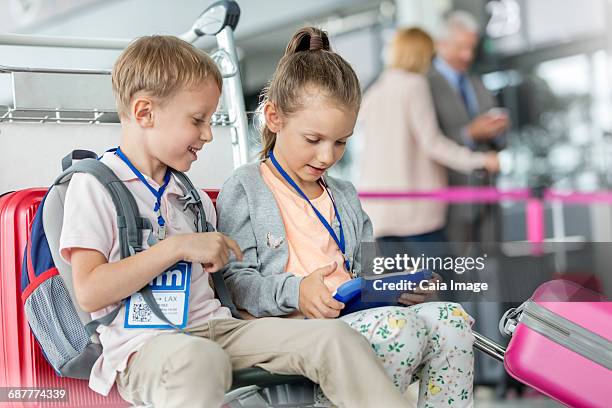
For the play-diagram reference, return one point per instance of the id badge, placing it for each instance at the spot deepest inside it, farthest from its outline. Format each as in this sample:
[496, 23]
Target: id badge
[171, 291]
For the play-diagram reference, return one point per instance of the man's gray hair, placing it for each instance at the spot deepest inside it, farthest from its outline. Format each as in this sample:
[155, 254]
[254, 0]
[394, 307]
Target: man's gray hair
[457, 20]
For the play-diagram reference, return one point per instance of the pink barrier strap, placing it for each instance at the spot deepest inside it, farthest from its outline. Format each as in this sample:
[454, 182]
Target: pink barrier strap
[579, 198]
[490, 194]
[453, 194]
[535, 224]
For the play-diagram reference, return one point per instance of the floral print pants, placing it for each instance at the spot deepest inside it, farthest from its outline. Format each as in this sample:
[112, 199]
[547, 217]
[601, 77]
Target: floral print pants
[431, 342]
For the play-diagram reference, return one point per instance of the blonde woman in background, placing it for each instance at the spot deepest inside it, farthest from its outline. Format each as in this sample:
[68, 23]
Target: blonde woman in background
[404, 150]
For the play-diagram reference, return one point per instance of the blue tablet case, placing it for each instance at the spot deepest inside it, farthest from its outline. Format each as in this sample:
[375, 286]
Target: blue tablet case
[350, 292]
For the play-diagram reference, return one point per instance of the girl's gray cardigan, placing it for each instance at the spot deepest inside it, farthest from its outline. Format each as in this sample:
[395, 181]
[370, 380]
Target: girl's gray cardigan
[248, 213]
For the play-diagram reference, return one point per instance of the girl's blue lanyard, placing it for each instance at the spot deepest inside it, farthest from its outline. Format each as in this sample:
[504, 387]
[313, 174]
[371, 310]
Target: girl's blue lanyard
[157, 193]
[339, 241]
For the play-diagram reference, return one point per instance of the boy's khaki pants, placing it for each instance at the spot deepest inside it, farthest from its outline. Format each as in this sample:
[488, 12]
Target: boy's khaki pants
[180, 370]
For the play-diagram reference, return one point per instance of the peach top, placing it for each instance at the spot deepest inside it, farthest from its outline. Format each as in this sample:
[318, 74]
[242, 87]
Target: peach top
[310, 244]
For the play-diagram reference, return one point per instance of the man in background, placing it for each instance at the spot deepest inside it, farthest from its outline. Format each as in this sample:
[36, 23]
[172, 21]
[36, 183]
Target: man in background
[466, 113]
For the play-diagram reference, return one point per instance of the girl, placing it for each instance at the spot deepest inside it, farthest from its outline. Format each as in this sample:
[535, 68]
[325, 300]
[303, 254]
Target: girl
[300, 230]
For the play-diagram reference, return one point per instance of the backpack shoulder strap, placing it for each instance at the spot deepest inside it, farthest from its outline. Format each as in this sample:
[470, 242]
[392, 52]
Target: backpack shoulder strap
[68, 160]
[193, 200]
[129, 222]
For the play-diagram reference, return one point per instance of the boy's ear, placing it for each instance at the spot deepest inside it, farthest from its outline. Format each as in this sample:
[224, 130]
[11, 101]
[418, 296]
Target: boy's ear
[142, 111]
[273, 117]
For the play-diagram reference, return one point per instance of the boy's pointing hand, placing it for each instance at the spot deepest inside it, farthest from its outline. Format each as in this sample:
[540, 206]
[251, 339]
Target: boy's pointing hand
[211, 249]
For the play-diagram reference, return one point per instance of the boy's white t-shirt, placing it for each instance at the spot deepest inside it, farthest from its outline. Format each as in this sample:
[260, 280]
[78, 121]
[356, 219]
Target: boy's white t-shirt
[90, 221]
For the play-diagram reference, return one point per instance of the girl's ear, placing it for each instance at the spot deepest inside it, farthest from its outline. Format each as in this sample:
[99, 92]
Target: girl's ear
[273, 117]
[142, 111]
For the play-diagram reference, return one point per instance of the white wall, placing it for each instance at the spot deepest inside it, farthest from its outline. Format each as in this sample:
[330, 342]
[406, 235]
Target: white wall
[31, 154]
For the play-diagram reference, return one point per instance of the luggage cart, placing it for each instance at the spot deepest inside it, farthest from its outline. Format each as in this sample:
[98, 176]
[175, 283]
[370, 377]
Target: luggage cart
[219, 20]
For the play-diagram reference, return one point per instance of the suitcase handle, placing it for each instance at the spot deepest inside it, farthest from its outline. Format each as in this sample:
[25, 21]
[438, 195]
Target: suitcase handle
[488, 346]
[508, 322]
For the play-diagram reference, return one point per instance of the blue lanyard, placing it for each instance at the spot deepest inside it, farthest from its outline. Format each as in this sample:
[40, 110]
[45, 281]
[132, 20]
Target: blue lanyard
[340, 242]
[157, 193]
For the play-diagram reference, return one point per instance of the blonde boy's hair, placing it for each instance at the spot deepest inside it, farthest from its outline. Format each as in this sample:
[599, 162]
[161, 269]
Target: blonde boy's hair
[160, 65]
[412, 50]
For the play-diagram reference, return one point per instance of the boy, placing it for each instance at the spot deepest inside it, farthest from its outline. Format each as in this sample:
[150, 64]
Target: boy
[166, 93]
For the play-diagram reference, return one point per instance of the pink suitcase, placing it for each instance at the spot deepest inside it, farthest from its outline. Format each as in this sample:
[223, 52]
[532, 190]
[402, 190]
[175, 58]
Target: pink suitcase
[21, 361]
[561, 344]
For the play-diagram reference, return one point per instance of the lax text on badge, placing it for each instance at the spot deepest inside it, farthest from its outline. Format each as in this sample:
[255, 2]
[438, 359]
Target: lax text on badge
[171, 291]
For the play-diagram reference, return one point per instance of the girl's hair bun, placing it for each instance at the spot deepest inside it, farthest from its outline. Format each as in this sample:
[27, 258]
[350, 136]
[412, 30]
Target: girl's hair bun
[308, 39]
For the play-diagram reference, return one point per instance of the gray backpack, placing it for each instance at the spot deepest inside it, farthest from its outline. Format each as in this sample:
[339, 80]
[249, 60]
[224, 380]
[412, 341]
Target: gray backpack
[66, 334]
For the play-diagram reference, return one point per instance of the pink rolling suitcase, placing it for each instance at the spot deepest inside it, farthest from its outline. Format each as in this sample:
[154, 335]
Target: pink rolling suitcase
[561, 344]
[22, 363]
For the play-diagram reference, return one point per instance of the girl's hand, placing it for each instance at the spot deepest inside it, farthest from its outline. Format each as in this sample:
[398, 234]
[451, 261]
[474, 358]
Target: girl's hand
[419, 295]
[316, 301]
[211, 249]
